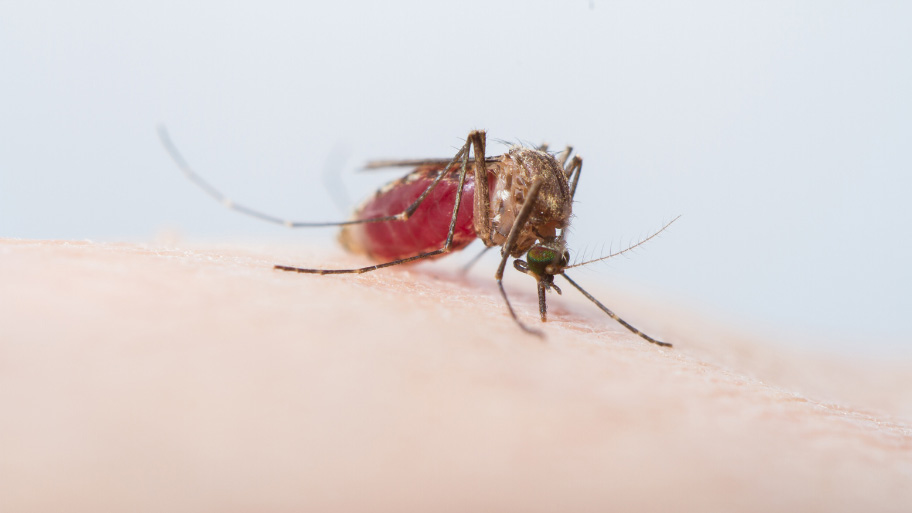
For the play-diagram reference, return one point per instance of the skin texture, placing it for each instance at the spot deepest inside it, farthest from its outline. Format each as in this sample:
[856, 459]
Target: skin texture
[187, 378]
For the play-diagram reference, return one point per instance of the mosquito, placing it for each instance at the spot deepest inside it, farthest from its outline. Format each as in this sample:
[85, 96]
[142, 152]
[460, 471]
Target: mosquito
[520, 201]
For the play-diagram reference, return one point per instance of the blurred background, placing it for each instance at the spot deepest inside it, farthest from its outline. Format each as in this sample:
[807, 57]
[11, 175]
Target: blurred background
[779, 130]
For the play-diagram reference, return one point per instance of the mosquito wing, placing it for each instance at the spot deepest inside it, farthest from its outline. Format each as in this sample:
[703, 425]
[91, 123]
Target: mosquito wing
[416, 163]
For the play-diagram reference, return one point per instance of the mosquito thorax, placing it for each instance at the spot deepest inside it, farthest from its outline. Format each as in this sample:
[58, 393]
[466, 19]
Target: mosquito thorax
[515, 173]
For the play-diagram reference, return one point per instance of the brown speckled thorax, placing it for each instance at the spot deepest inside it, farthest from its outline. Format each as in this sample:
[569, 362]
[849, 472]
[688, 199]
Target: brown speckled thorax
[514, 174]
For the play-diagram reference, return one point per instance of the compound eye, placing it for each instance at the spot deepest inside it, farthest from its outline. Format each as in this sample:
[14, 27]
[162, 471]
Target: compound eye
[540, 258]
[541, 255]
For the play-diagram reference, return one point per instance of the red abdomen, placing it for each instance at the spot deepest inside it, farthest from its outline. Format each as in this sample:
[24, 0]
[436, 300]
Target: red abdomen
[426, 230]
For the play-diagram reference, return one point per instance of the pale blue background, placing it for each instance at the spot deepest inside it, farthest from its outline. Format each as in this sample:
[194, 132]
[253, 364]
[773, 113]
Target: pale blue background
[781, 130]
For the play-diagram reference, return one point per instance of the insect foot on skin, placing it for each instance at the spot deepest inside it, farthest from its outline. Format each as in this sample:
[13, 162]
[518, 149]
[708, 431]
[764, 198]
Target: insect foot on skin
[520, 201]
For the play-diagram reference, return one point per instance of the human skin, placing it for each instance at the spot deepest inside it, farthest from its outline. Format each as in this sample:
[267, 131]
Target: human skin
[197, 378]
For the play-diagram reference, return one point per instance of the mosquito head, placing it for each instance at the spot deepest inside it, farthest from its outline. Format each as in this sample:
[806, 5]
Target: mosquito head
[546, 259]
[543, 261]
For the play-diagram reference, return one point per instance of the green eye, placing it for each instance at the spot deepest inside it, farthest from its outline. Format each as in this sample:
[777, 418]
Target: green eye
[540, 255]
[540, 258]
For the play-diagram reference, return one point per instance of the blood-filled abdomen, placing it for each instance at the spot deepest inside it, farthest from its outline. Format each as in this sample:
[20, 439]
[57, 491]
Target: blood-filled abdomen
[426, 230]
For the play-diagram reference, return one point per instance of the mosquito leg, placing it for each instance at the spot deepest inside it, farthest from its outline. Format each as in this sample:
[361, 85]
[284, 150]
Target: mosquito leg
[367, 269]
[474, 260]
[573, 171]
[564, 155]
[518, 224]
[482, 205]
[224, 200]
[614, 316]
[471, 140]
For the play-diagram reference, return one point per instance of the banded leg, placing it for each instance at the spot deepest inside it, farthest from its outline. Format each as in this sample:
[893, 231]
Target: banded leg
[471, 141]
[228, 203]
